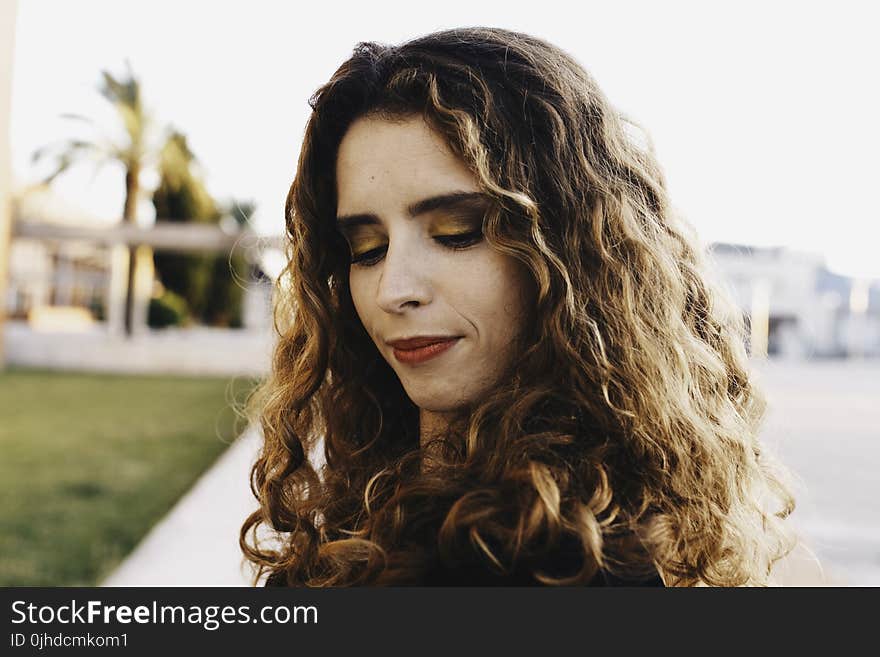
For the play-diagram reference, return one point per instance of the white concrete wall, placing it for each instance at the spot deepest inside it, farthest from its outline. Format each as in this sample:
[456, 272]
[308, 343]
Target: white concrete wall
[8, 10]
[197, 351]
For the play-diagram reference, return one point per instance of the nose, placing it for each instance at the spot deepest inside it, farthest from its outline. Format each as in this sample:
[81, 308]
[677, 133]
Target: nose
[404, 281]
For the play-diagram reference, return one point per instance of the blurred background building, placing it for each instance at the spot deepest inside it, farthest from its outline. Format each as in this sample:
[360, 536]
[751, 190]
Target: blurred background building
[806, 310]
[65, 293]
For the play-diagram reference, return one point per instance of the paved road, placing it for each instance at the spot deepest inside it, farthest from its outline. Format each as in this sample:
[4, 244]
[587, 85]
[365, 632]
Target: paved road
[196, 544]
[823, 421]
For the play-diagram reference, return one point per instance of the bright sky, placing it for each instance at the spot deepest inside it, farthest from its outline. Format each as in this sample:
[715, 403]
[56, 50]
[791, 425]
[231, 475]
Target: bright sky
[764, 114]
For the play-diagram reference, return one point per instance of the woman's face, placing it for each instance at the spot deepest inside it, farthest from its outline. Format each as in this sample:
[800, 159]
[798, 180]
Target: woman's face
[412, 213]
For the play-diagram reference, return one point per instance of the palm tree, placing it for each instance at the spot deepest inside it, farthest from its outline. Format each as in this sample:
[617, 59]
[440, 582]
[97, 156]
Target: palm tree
[130, 149]
[211, 285]
[181, 197]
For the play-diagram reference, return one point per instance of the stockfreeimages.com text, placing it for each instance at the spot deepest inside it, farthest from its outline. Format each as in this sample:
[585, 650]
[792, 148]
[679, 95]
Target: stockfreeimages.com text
[210, 617]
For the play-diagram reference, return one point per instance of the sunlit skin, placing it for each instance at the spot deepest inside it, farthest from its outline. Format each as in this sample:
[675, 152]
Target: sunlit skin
[411, 212]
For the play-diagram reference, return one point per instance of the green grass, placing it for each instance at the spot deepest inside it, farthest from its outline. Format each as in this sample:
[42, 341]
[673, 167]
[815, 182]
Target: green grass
[89, 462]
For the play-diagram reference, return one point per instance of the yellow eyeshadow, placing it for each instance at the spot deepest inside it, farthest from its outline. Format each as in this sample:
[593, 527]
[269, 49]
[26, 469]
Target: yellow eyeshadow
[362, 239]
[361, 247]
[457, 227]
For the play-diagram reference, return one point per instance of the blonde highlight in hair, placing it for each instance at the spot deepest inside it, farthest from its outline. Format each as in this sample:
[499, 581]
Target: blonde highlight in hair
[627, 431]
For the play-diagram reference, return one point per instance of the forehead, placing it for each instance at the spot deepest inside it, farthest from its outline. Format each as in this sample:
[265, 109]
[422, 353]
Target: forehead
[395, 162]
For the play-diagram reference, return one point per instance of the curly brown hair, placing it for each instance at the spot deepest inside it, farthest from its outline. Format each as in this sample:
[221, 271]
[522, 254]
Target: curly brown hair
[627, 432]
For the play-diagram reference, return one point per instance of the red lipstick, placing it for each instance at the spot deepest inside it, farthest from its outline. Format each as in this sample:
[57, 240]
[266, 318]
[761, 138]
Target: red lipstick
[417, 350]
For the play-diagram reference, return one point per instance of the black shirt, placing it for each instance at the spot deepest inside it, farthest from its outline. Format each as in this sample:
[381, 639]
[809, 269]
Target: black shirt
[564, 561]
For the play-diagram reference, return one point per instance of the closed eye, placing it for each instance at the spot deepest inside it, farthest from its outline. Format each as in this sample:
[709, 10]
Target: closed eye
[455, 242]
[369, 258]
[462, 240]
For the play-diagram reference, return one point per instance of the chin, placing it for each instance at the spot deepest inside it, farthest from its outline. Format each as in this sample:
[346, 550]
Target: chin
[433, 406]
[437, 404]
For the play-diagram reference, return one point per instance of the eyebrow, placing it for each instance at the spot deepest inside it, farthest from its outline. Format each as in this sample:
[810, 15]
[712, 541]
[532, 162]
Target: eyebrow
[450, 201]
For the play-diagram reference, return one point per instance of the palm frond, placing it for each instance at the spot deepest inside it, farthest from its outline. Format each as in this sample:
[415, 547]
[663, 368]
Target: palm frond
[67, 153]
[77, 117]
[56, 149]
[63, 164]
[125, 91]
[94, 125]
[124, 94]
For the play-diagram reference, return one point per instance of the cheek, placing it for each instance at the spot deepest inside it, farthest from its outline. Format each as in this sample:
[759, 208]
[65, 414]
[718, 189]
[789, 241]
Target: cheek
[499, 297]
[358, 288]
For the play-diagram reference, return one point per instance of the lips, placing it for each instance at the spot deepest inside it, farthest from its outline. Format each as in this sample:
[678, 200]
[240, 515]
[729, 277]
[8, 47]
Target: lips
[422, 341]
[417, 350]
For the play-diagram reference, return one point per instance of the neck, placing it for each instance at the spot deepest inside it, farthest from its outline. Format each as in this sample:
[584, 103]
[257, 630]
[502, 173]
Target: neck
[431, 426]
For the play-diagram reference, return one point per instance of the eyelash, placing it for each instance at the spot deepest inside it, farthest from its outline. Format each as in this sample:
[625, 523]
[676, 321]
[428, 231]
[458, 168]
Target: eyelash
[454, 242]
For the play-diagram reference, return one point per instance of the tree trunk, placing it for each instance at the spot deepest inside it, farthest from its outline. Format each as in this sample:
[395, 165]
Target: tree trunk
[129, 216]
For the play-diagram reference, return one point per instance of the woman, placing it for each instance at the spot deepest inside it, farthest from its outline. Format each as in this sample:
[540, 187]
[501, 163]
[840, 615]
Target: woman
[502, 342]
